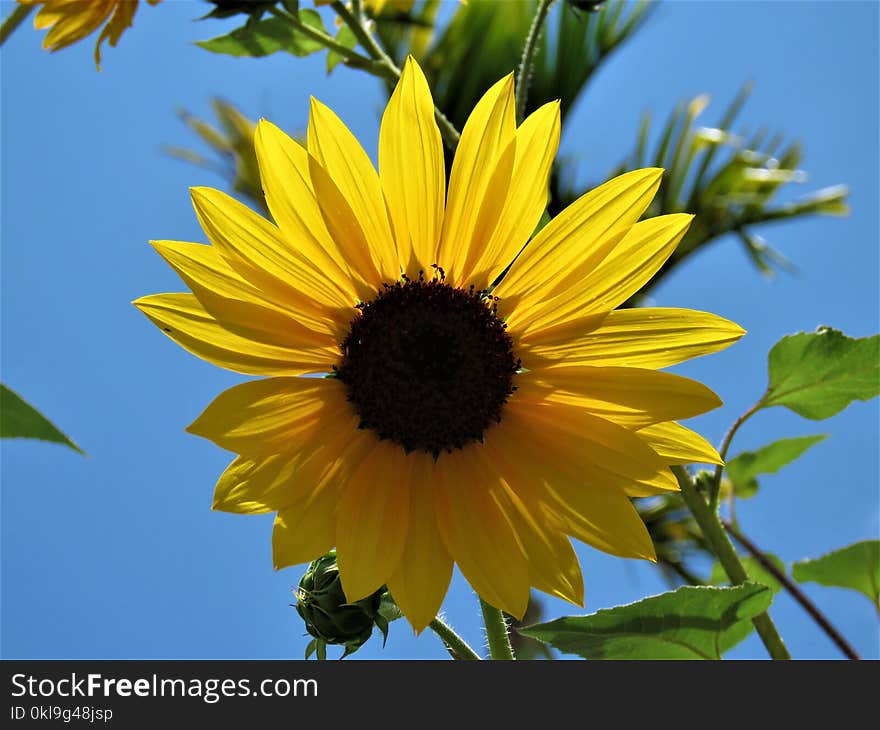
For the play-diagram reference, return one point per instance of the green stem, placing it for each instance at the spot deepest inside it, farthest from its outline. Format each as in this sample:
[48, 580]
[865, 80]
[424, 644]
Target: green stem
[456, 646]
[325, 40]
[722, 452]
[713, 531]
[15, 19]
[385, 67]
[524, 74]
[796, 593]
[496, 632]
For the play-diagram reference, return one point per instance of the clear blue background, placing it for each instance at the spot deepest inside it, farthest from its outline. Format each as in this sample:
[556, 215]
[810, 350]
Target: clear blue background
[119, 554]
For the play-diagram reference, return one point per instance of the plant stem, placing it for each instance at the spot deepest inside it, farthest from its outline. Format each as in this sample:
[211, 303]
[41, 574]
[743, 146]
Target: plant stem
[457, 647]
[385, 67]
[722, 452]
[794, 590]
[709, 522]
[16, 18]
[524, 74]
[496, 632]
[325, 40]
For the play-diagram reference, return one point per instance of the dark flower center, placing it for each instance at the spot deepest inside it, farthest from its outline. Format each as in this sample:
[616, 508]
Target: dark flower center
[427, 365]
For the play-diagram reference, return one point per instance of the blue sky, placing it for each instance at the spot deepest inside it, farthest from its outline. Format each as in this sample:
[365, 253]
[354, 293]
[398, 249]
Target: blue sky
[118, 555]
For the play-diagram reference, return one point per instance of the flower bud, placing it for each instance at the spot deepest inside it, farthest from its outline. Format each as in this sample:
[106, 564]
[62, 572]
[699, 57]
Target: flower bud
[329, 617]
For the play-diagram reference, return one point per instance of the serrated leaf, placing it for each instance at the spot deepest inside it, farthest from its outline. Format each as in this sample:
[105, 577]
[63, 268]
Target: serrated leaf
[19, 419]
[692, 622]
[347, 38]
[267, 36]
[856, 567]
[819, 374]
[743, 469]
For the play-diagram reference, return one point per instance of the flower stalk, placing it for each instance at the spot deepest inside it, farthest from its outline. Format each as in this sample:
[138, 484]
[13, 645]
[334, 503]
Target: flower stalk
[496, 632]
[18, 15]
[709, 522]
[457, 647]
[524, 74]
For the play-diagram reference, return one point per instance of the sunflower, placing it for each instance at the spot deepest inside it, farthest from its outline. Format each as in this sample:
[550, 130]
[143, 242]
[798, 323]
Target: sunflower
[70, 21]
[483, 401]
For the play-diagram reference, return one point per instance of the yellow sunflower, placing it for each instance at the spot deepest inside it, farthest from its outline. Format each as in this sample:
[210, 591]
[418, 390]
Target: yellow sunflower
[70, 21]
[463, 421]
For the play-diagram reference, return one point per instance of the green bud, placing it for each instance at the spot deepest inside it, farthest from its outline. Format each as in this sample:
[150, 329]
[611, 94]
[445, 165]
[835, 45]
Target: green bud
[329, 617]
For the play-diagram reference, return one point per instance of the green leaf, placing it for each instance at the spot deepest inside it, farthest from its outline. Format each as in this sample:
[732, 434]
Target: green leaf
[347, 38]
[267, 36]
[692, 622]
[819, 374]
[744, 468]
[856, 567]
[19, 419]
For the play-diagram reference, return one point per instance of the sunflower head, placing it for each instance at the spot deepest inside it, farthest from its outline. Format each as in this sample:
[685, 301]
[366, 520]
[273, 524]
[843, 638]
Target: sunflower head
[488, 401]
[328, 616]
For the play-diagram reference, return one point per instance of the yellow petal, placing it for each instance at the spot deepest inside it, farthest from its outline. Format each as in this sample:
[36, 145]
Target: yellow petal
[123, 17]
[574, 242]
[284, 173]
[342, 157]
[185, 320]
[306, 530]
[631, 397]
[646, 338]
[70, 22]
[422, 577]
[271, 416]
[579, 447]
[631, 263]
[275, 482]
[343, 225]
[478, 534]
[679, 445]
[258, 252]
[240, 306]
[537, 141]
[373, 521]
[479, 178]
[553, 564]
[412, 170]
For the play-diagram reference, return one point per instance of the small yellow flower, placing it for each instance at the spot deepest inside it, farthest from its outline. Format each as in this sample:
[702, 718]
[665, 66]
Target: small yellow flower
[70, 21]
[465, 421]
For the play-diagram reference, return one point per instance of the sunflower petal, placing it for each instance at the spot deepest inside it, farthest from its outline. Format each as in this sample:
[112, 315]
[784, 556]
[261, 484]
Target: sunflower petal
[257, 251]
[290, 196]
[575, 241]
[537, 141]
[679, 445]
[646, 338]
[477, 189]
[373, 521]
[412, 170]
[306, 530]
[553, 563]
[271, 416]
[422, 578]
[239, 305]
[630, 264]
[477, 533]
[631, 397]
[185, 320]
[342, 157]
[543, 472]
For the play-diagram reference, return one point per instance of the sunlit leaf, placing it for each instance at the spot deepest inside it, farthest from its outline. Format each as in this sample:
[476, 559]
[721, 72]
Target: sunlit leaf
[743, 469]
[819, 374]
[267, 36]
[345, 37]
[691, 622]
[856, 566]
[19, 419]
